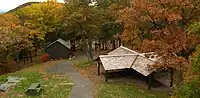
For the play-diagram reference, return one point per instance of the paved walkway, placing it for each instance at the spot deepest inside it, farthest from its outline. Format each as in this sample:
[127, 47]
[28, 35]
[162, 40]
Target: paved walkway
[82, 87]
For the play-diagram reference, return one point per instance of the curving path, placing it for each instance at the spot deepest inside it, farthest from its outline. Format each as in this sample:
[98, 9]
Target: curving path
[82, 87]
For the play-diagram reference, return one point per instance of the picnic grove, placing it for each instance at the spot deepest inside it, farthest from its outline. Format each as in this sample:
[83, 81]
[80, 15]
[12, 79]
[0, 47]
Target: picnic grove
[170, 29]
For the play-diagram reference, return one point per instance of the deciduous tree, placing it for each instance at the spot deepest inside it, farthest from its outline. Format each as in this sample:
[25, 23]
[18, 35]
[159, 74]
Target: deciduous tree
[43, 18]
[159, 26]
[84, 21]
[14, 37]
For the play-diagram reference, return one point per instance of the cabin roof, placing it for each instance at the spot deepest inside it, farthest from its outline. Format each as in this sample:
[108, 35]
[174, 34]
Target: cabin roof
[67, 44]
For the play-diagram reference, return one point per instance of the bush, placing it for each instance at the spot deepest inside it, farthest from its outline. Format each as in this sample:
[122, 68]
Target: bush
[8, 67]
[44, 57]
[190, 89]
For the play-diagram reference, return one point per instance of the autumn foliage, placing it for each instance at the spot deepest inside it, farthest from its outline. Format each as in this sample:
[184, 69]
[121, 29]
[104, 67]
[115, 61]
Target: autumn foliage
[159, 26]
[42, 18]
[14, 37]
[170, 28]
[44, 57]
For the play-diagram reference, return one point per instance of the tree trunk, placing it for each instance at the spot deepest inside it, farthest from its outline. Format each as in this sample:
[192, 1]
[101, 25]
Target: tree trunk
[120, 42]
[113, 44]
[84, 47]
[31, 59]
[89, 49]
[123, 43]
[182, 25]
[103, 44]
[18, 58]
[35, 51]
[106, 47]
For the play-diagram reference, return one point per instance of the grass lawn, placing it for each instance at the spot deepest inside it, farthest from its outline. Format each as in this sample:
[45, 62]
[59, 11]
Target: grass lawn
[54, 85]
[122, 90]
[83, 63]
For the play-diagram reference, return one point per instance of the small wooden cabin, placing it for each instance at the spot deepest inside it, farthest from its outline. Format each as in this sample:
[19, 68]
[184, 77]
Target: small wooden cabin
[59, 49]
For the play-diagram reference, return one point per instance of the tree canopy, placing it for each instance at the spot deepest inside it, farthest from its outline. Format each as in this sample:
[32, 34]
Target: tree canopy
[14, 37]
[43, 17]
[83, 21]
[159, 26]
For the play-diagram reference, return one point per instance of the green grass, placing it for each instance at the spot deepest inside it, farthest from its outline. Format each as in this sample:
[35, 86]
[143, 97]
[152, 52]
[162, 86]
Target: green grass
[53, 85]
[36, 67]
[122, 90]
[83, 63]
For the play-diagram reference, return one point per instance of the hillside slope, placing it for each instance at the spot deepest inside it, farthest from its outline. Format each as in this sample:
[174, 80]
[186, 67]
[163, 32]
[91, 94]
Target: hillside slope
[22, 6]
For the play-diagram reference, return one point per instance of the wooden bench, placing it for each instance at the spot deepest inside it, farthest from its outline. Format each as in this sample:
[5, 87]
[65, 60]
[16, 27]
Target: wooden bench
[34, 89]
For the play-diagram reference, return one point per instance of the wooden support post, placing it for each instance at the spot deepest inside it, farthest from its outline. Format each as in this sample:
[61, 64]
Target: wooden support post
[149, 81]
[98, 68]
[106, 76]
[171, 82]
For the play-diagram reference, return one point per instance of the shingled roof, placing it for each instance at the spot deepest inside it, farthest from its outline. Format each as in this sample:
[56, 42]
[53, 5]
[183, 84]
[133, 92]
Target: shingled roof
[112, 62]
[67, 44]
[123, 57]
[122, 50]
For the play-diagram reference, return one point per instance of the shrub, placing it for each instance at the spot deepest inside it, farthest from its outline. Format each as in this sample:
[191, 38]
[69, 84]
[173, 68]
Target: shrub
[190, 89]
[45, 57]
[9, 66]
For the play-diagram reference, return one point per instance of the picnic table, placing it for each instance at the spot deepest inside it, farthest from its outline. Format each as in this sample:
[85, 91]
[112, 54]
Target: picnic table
[10, 81]
[34, 89]
[14, 79]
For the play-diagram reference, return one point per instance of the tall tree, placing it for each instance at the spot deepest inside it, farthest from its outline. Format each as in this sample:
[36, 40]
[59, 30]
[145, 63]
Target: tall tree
[45, 18]
[107, 3]
[110, 29]
[84, 21]
[14, 37]
[159, 26]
